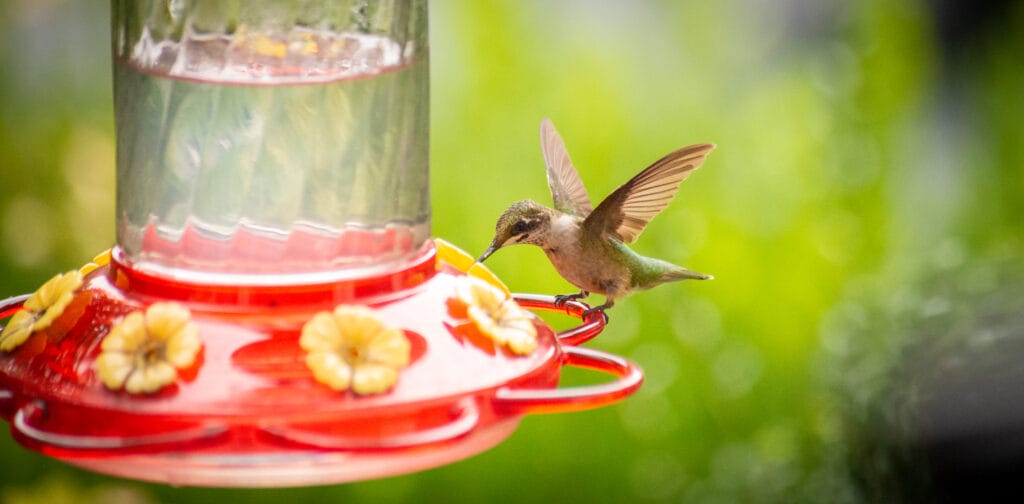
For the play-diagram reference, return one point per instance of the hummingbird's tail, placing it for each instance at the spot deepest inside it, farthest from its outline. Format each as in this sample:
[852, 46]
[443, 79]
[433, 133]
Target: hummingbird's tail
[680, 273]
[655, 272]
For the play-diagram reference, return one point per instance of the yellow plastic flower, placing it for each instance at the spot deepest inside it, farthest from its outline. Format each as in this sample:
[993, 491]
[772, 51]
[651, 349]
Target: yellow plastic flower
[101, 259]
[144, 352]
[465, 263]
[40, 309]
[496, 315]
[352, 348]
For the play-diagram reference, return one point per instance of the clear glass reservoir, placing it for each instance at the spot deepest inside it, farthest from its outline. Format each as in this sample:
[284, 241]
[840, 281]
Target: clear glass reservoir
[270, 142]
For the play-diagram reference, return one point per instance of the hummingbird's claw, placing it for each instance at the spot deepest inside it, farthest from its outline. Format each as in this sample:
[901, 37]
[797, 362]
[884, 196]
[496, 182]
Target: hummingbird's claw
[599, 308]
[561, 299]
[596, 309]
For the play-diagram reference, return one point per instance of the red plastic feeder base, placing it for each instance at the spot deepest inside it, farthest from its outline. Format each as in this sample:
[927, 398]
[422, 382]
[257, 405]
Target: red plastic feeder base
[249, 413]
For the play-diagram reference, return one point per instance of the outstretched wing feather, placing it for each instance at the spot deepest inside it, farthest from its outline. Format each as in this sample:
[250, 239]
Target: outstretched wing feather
[626, 212]
[567, 190]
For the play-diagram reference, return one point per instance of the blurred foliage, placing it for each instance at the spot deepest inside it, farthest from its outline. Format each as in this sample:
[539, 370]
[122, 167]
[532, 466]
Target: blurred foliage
[859, 155]
[933, 414]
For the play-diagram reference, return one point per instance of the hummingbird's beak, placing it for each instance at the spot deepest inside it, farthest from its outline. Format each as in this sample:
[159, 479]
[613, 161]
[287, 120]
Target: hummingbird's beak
[487, 253]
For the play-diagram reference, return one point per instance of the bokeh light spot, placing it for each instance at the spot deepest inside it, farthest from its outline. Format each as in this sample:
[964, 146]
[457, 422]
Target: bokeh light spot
[660, 362]
[28, 234]
[657, 475]
[737, 368]
[88, 167]
[697, 324]
[649, 417]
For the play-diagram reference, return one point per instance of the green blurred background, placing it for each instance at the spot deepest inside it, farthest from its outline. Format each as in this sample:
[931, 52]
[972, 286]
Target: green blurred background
[864, 202]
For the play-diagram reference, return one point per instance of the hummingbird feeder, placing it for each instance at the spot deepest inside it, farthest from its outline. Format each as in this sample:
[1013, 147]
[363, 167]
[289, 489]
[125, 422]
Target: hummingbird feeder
[275, 312]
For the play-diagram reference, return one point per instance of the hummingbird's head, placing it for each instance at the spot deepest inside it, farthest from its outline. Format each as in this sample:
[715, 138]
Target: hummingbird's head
[524, 221]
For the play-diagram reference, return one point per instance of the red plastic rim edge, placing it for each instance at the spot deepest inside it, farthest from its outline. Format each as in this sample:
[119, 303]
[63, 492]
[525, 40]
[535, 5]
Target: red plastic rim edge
[10, 305]
[465, 418]
[630, 377]
[22, 423]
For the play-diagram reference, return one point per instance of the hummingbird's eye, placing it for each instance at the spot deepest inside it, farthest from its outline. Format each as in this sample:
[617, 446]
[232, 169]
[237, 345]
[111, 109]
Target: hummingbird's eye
[519, 227]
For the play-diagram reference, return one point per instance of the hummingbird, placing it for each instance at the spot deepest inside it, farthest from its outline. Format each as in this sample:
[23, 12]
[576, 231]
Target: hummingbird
[587, 245]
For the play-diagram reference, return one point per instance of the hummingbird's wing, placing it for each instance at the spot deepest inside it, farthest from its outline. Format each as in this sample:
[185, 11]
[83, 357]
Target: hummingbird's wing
[566, 187]
[625, 212]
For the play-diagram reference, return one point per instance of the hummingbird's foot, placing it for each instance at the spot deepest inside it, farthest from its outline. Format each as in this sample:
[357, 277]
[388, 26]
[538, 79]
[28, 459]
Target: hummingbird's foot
[561, 299]
[599, 308]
